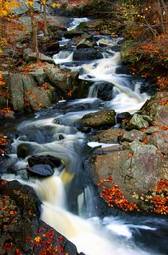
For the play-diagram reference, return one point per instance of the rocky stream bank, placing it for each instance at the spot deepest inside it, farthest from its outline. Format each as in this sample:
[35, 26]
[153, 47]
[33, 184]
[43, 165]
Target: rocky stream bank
[128, 166]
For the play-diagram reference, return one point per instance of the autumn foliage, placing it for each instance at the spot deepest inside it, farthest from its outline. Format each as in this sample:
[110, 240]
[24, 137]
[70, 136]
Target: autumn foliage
[146, 32]
[156, 200]
[114, 197]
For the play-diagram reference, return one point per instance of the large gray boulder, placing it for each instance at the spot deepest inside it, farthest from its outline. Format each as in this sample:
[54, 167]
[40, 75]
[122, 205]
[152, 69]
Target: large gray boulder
[135, 170]
[26, 95]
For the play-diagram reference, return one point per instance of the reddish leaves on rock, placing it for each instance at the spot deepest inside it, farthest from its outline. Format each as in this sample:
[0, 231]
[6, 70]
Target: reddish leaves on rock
[162, 185]
[113, 196]
[160, 200]
[157, 199]
[48, 244]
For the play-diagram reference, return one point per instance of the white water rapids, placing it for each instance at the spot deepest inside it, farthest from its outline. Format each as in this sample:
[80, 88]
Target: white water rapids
[91, 235]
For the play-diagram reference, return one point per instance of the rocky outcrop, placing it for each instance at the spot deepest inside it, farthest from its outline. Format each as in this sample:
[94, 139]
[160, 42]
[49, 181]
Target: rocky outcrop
[136, 170]
[37, 87]
[25, 94]
[139, 167]
[22, 232]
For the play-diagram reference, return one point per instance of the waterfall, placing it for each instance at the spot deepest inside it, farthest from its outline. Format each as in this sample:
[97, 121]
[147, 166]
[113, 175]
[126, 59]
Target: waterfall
[53, 132]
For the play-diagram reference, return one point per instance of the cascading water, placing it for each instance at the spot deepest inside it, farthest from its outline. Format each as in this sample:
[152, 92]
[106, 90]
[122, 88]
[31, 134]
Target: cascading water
[54, 133]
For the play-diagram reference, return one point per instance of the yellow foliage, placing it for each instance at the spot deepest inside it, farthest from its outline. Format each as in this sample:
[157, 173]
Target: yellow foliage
[7, 6]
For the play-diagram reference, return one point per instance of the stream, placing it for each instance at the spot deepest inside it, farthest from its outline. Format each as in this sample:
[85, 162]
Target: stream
[68, 197]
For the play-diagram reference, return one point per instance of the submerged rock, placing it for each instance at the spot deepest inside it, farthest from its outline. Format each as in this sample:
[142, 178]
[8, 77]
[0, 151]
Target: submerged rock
[104, 118]
[24, 150]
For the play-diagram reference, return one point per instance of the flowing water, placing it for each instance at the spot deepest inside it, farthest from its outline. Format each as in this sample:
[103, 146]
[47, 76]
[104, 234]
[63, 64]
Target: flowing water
[68, 197]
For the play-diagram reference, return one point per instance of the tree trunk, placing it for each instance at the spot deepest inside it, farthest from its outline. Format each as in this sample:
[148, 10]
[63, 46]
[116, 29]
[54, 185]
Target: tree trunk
[160, 9]
[34, 36]
[45, 20]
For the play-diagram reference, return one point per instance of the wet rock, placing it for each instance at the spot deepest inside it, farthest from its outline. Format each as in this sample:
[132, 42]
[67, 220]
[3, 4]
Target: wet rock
[73, 33]
[104, 91]
[27, 149]
[108, 136]
[123, 118]
[104, 118]
[43, 170]
[133, 135]
[51, 48]
[24, 150]
[85, 43]
[22, 232]
[47, 159]
[86, 54]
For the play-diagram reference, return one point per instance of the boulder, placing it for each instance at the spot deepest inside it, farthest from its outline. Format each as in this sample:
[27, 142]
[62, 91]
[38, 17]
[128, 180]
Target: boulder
[136, 170]
[84, 54]
[22, 231]
[104, 118]
[26, 95]
[104, 91]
